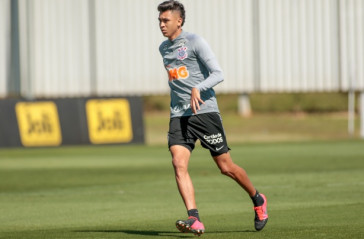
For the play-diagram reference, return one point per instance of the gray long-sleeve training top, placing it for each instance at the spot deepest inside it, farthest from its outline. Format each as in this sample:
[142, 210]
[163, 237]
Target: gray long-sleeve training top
[190, 62]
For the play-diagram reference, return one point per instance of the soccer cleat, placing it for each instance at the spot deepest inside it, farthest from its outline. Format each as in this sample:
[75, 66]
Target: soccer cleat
[192, 224]
[261, 215]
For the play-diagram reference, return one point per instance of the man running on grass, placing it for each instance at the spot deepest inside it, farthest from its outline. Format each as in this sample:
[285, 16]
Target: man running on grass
[193, 71]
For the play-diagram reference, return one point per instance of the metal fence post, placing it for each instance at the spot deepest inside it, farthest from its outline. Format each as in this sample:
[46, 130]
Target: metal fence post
[361, 112]
[13, 81]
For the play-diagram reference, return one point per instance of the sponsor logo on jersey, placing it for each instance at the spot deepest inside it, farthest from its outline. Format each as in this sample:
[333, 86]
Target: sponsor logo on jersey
[178, 73]
[182, 53]
[180, 107]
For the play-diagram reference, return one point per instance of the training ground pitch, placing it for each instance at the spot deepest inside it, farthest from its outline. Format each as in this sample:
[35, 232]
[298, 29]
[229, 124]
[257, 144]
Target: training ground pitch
[314, 190]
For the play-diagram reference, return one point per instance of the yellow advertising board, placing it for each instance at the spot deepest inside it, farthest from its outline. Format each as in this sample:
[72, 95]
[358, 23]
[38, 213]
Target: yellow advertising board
[38, 123]
[109, 121]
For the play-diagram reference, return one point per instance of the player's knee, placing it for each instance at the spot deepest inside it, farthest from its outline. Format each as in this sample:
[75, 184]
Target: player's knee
[179, 165]
[226, 171]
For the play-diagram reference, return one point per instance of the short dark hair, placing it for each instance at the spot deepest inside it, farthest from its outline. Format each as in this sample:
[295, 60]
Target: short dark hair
[173, 6]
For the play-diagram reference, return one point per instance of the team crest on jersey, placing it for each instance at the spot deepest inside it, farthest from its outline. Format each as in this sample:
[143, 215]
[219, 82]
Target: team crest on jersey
[182, 53]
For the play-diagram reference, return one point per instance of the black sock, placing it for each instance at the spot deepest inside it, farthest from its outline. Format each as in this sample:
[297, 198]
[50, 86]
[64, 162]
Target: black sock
[193, 213]
[257, 199]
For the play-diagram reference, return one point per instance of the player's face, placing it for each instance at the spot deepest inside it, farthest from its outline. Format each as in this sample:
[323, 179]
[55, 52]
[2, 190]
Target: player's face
[170, 23]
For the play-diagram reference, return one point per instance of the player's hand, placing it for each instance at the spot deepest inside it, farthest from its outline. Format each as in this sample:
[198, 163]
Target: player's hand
[195, 100]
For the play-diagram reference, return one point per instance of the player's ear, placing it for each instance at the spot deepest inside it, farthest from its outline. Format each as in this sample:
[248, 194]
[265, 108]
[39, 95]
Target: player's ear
[180, 20]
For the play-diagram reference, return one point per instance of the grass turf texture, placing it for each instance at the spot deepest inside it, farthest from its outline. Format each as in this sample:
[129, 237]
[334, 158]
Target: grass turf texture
[269, 102]
[314, 190]
[265, 127]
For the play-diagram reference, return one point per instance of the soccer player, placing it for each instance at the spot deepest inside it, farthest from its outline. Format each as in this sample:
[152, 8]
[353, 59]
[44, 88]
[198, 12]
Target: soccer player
[193, 71]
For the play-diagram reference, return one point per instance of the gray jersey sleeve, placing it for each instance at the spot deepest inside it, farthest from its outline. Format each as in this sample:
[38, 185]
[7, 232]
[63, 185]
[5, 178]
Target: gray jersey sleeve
[207, 57]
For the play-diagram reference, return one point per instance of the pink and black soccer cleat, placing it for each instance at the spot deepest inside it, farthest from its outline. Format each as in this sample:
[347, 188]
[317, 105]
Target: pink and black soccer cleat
[192, 224]
[261, 215]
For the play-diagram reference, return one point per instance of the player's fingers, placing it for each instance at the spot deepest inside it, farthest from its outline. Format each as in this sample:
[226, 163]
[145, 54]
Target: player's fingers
[193, 106]
[197, 105]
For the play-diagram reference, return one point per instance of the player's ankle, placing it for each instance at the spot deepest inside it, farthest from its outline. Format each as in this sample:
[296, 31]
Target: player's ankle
[193, 213]
[257, 199]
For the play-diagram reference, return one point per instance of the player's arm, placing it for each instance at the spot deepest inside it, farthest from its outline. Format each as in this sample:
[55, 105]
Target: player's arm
[207, 57]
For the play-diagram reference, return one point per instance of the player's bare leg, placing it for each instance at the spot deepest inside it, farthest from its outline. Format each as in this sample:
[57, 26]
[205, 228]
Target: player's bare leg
[229, 168]
[180, 159]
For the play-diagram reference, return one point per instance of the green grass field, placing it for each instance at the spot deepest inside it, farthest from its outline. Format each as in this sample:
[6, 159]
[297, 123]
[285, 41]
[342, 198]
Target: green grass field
[315, 189]
[266, 127]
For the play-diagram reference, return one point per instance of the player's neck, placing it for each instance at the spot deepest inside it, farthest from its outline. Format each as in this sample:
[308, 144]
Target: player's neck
[175, 35]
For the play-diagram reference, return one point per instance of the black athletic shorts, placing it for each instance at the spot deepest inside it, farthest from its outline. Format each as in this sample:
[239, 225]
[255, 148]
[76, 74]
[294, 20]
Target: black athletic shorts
[206, 127]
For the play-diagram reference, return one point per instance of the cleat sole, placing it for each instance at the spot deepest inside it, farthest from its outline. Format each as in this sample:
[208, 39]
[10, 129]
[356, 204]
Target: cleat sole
[186, 228]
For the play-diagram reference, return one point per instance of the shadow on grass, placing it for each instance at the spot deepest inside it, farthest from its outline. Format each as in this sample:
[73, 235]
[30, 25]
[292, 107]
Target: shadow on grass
[161, 233]
[141, 233]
